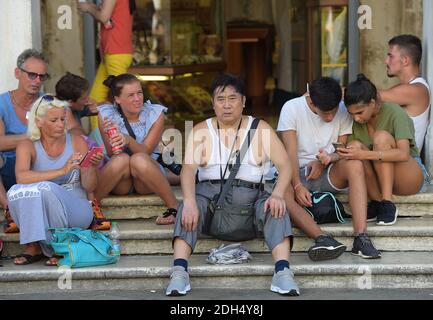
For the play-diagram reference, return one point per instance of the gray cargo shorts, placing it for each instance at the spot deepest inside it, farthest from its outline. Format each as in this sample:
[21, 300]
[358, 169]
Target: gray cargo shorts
[274, 230]
[322, 183]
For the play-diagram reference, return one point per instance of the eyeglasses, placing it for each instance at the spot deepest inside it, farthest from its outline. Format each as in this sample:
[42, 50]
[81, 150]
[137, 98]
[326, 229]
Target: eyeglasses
[48, 98]
[34, 75]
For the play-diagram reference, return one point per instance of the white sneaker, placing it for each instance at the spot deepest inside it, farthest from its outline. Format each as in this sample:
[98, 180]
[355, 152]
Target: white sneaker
[283, 283]
[179, 282]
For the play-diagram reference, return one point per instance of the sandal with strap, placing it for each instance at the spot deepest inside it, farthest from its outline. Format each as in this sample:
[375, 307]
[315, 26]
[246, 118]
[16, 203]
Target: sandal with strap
[29, 258]
[168, 217]
[99, 221]
[10, 226]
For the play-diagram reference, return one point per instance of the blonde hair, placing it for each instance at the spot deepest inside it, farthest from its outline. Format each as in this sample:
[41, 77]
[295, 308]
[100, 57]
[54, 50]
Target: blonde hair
[39, 109]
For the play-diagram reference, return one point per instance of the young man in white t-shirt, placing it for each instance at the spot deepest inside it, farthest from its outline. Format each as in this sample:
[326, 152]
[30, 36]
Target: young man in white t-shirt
[309, 125]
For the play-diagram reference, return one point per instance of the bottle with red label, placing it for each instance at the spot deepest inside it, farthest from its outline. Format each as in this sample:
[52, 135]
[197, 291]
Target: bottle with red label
[111, 132]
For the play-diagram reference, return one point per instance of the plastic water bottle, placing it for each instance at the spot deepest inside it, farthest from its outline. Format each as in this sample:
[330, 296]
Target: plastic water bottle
[114, 235]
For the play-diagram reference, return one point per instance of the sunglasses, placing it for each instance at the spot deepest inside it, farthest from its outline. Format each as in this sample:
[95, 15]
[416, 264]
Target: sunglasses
[34, 75]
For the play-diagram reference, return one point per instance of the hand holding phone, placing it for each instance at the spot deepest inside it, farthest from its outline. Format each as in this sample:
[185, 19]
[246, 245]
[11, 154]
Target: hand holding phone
[86, 162]
[338, 145]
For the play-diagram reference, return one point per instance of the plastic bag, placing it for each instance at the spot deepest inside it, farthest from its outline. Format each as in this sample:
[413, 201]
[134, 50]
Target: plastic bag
[234, 253]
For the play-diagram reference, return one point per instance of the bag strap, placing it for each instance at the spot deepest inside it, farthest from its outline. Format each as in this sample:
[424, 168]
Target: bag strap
[86, 240]
[239, 158]
[126, 122]
[128, 128]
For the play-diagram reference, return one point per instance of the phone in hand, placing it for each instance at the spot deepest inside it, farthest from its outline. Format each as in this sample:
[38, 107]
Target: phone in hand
[86, 161]
[307, 171]
[338, 145]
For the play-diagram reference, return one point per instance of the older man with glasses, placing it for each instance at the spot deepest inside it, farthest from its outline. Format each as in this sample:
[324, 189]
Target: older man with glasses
[31, 72]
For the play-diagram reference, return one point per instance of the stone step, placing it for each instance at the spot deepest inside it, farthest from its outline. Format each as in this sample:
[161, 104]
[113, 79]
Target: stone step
[393, 270]
[150, 206]
[144, 237]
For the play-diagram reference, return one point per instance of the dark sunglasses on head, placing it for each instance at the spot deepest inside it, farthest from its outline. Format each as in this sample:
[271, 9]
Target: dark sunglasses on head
[48, 98]
[34, 75]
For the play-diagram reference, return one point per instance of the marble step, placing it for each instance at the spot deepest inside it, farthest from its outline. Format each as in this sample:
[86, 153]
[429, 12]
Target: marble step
[151, 273]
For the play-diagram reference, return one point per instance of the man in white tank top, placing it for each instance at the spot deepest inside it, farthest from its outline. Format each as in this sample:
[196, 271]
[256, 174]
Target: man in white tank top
[211, 150]
[413, 92]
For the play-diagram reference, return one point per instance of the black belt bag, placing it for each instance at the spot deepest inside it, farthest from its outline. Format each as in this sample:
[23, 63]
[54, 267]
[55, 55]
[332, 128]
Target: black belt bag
[233, 222]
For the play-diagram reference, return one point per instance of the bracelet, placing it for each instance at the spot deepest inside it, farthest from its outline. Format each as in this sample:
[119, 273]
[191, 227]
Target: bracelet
[380, 155]
[297, 185]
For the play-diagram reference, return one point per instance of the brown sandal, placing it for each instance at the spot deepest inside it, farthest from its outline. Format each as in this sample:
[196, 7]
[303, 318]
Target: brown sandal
[168, 217]
[10, 226]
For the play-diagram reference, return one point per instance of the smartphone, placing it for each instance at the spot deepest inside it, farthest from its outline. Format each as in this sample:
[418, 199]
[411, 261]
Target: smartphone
[307, 171]
[338, 145]
[85, 162]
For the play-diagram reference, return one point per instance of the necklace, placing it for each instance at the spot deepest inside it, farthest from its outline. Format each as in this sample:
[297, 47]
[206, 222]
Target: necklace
[17, 105]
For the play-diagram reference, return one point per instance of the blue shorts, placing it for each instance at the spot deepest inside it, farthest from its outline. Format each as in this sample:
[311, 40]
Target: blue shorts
[424, 173]
[7, 172]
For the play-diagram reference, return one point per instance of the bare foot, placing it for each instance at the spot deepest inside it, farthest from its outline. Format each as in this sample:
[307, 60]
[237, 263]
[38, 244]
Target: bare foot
[52, 262]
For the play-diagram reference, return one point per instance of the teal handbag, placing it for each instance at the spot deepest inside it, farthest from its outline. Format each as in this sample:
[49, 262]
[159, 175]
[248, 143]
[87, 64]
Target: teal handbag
[82, 248]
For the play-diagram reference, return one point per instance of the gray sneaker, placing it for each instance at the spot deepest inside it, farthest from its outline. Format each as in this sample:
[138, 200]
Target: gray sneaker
[179, 282]
[283, 283]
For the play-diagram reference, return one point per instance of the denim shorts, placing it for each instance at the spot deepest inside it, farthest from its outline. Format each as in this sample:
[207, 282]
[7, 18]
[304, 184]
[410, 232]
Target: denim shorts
[424, 173]
[322, 183]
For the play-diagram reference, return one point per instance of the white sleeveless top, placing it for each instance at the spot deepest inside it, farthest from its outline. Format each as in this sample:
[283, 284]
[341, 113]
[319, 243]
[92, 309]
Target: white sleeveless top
[249, 169]
[421, 121]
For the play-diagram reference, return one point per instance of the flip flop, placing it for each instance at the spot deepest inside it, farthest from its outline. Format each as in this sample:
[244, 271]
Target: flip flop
[29, 258]
[168, 217]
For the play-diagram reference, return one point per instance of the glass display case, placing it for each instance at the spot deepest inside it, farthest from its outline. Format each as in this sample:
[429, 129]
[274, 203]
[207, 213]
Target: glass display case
[328, 35]
[187, 97]
[178, 32]
[179, 49]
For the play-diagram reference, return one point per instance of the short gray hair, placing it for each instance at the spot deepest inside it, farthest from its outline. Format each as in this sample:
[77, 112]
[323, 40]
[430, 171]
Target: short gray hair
[30, 53]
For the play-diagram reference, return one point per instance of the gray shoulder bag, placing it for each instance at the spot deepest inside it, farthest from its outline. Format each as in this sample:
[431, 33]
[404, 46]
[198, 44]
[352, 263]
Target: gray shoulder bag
[233, 222]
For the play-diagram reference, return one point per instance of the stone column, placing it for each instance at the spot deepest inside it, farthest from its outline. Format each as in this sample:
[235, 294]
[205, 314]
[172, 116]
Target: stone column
[20, 29]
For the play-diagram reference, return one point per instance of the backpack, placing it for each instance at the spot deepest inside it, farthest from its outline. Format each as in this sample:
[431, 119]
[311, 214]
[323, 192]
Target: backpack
[326, 208]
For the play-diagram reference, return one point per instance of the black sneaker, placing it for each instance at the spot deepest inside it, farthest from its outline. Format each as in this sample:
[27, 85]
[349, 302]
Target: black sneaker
[388, 214]
[373, 210]
[325, 248]
[363, 247]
